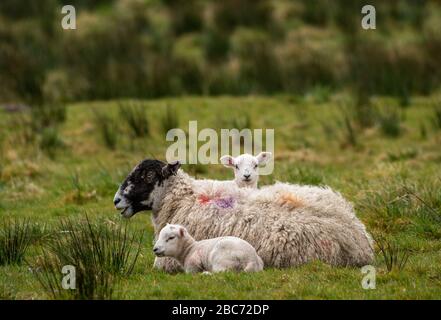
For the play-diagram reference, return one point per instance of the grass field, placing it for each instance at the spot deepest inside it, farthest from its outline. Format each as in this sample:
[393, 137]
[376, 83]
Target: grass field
[387, 162]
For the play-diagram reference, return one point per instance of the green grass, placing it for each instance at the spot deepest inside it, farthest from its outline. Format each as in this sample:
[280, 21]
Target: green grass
[134, 115]
[393, 181]
[101, 253]
[15, 238]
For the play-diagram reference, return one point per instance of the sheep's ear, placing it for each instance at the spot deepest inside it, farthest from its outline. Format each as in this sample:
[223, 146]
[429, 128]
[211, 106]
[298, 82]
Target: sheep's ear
[263, 157]
[181, 231]
[228, 161]
[170, 169]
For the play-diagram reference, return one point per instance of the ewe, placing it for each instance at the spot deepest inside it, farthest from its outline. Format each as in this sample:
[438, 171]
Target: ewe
[246, 167]
[211, 255]
[288, 224]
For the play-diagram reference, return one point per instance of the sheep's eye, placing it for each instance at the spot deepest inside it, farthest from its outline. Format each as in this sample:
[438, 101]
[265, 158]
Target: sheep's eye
[150, 176]
[170, 238]
[255, 166]
[237, 167]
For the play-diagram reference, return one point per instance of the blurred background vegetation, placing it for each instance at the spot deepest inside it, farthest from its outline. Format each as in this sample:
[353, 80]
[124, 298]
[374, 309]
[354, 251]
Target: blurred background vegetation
[154, 48]
[357, 110]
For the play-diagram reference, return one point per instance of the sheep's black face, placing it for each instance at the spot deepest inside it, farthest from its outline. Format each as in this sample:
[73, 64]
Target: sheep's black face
[136, 193]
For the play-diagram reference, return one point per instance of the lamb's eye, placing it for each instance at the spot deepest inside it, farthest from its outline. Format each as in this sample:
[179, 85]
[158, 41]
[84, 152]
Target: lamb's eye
[255, 166]
[170, 238]
[237, 167]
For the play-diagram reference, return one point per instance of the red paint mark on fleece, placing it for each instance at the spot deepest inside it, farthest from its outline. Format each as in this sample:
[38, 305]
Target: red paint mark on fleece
[204, 199]
[220, 202]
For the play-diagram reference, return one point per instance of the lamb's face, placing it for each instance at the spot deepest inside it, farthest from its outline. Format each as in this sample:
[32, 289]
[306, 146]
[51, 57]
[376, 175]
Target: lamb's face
[169, 243]
[245, 167]
[141, 186]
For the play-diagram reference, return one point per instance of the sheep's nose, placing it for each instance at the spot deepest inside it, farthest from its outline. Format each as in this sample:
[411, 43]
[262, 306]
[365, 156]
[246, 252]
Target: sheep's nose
[155, 250]
[246, 176]
[116, 201]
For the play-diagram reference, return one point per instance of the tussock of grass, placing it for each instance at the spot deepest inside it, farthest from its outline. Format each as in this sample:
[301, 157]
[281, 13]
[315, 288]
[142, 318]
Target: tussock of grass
[46, 116]
[390, 122]
[79, 194]
[107, 128]
[395, 256]
[436, 119]
[98, 285]
[399, 208]
[136, 118]
[15, 238]
[349, 132]
[100, 253]
[51, 141]
[169, 119]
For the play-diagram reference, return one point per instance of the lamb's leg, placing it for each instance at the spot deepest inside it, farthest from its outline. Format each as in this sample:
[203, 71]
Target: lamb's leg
[252, 266]
[168, 265]
[219, 268]
[191, 268]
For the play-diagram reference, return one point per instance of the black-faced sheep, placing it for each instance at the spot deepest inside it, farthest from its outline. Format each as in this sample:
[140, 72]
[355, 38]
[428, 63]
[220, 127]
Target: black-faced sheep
[289, 225]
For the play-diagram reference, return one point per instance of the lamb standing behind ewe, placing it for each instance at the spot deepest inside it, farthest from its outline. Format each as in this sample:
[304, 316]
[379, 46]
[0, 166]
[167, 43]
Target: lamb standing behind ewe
[287, 224]
[211, 255]
[246, 167]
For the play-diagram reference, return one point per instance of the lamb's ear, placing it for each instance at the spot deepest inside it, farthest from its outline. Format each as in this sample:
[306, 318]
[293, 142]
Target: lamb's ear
[170, 169]
[181, 231]
[228, 161]
[263, 157]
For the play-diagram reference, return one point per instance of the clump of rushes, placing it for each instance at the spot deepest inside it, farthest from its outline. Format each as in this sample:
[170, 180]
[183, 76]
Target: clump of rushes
[45, 116]
[395, 257]
[136, 118]
[100, 253]
[436, 120]
[107, 128]
[349, 135]
[169, 119]
[15, 238]
[50, 141]
[79, 194]
[98, 285]
[390, 123]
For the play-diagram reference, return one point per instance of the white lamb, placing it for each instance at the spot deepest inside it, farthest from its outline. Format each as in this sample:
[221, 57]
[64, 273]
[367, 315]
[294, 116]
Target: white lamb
[246, 167]
[211, 255]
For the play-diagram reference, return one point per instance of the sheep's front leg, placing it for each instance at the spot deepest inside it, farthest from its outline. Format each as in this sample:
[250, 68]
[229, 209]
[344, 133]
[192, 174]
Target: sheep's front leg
[193, 265]
[168, 265]
[191, 269]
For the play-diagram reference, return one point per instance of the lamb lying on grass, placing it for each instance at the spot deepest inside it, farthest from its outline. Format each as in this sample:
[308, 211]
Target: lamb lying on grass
[212, 255]
[246, 167]
[289, 225]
